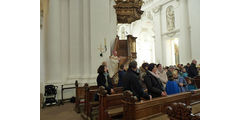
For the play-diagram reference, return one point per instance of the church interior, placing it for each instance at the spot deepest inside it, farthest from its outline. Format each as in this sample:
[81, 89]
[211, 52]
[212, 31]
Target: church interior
[120, 59]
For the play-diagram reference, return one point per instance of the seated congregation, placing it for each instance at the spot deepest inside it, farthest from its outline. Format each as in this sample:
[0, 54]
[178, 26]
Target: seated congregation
[149, 92]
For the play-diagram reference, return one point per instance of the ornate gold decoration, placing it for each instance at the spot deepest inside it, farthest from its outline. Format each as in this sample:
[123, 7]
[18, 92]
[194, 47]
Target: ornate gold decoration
[128, 11]
[132, 46]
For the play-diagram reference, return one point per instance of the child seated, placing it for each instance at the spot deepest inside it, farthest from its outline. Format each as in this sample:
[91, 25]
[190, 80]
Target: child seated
[181, 81]
[171, 86]
[184, 73]
[190, 86]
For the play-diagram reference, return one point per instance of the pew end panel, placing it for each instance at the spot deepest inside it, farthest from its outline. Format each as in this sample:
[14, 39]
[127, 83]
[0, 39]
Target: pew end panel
[110, 105]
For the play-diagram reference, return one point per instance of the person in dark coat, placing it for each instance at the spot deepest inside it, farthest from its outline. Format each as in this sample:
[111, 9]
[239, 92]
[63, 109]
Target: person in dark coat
[187, 66]
[153, 83]
[121, 73]
[103, 79]
[131, 82]
[192, 71]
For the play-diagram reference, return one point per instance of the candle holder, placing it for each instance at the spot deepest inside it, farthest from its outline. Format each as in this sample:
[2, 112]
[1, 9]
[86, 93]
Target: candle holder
[103, 50]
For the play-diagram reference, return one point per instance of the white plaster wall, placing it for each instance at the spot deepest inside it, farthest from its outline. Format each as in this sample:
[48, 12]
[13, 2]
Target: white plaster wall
[194, 19]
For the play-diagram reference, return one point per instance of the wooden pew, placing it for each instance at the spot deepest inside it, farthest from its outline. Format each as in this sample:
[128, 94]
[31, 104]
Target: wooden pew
[195, 101]
[90, 93]
[110, 105]
[90, 103]
[151, 109]
[80, 94]
[197, 81]
[179, 111]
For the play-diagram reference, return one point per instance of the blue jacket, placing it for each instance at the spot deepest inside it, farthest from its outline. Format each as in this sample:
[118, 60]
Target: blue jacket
[172, 87]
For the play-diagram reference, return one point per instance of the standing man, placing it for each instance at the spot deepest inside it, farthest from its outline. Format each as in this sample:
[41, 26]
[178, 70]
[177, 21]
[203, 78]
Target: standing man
[192, 71]
[131, 81]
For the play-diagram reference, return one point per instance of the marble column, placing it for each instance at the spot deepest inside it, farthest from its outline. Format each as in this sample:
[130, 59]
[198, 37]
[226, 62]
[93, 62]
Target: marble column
[184, 41]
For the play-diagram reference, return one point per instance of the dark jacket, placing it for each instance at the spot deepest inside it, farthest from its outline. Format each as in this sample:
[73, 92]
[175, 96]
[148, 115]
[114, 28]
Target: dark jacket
[154, 85]
[101, 81]
[192, 71]
[121, 73]
[131, 82]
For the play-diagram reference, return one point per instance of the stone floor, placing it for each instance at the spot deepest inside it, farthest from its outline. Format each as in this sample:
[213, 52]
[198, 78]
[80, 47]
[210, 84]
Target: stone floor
[62, 112]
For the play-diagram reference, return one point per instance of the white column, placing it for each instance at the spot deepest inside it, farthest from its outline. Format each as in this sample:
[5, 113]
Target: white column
[64, 37]
[53, 43]
[86, 38]
[42, 58]
[76, 33]
[184, 41]
[158, 35]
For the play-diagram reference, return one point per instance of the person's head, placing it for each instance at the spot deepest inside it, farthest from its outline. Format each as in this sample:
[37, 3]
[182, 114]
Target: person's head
[133, 65]
[104, 63]
[194, 62]
[115, 53]
[102, 69]
[189, 81]
[159, 67]
[188, 64]
[171, 68]
[167, 67]
[152, 67]
[178, 66]
[145, 66]
[183, 70]
[121, 67]
[175, 74]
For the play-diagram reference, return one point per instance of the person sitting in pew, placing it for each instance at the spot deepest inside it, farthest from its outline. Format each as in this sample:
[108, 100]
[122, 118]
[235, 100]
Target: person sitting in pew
[162, 75]
[143, 72]
[171, 86]
[153, 83]
[103, 79]
[184, 73]
[180, 80]
[190, 86]
[121, 73]
[131, 81]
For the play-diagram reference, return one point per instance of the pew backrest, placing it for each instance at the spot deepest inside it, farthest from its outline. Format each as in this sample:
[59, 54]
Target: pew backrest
[138, 110]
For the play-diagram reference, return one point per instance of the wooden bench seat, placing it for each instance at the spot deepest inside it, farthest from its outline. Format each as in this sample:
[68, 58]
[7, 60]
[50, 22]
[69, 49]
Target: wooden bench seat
[158, 116]
[115, 111]
[196, 108]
